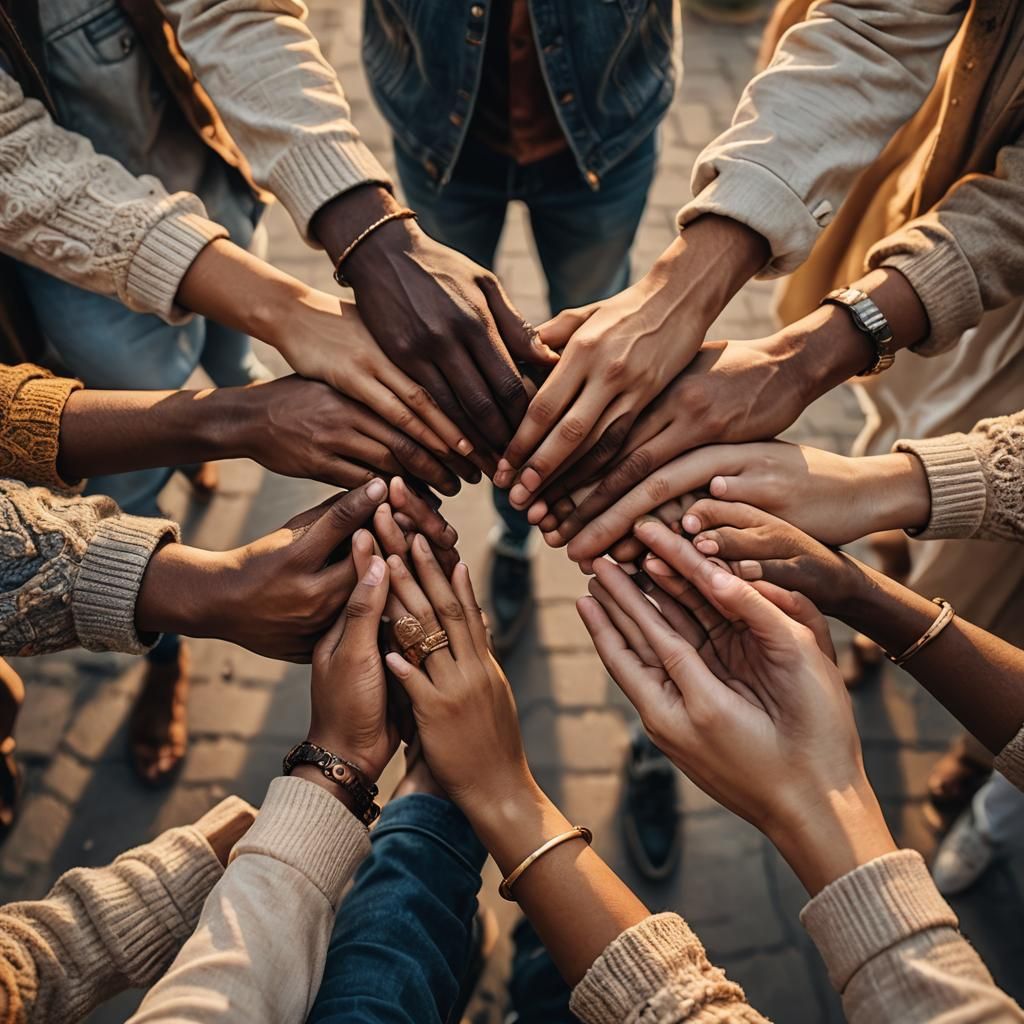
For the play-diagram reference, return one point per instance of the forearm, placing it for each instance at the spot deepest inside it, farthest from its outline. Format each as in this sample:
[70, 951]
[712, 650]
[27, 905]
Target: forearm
[576, 903]
[975, 675]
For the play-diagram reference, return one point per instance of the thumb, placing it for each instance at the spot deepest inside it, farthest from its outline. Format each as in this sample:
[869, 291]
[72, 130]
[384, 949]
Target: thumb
[521, 340]
[557, 331]
[740, 602]
[364, 609]
[340, 519]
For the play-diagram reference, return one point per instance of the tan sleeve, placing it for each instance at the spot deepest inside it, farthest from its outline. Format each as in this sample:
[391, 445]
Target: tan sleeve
[1010, 761]
[657, 971]
[976, 480]
[31, 404]
[279, 98]
[100, 931]
[893, 951]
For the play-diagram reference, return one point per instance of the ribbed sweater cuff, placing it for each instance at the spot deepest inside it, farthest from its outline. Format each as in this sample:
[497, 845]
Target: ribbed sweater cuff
[37, 409]
[957, 484]
[658, 965]
[943, 279]
[1010, 761]
[754, 195]
[109, 578]
[302, 825]
[871, 909]
[163, 259]
[309, 176]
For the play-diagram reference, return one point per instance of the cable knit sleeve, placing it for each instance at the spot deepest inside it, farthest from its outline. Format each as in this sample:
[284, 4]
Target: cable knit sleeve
[70, 571]
[966, 255]
[100, 931]
[31, 404]
[86, 219]
[840, 85]
[657, 972]
[892, 949]
[976, 480]
[279, 98]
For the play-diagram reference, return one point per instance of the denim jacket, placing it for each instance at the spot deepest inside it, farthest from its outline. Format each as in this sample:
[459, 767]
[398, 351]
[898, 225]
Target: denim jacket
[607, 65]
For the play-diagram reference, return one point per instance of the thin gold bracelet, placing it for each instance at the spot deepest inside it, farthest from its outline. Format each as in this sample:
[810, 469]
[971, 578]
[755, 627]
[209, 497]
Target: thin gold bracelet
[404, 214]
[942, 620]
[576, 832]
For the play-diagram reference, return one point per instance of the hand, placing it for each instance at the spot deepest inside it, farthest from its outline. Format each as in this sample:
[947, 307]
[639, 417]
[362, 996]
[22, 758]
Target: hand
[759, 546]
[444, 320]
[303, 428]
[619, 354]
[744, 701]
[275, 596]
[732, 391]
[463, 706]
[834, 498]
[349, 695]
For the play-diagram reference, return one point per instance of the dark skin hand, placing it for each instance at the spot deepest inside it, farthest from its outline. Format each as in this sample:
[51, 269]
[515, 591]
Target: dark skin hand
[441, 318]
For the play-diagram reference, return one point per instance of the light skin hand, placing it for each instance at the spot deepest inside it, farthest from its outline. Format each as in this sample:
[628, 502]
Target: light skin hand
[748, 706]
[276, 596]
[619, 354]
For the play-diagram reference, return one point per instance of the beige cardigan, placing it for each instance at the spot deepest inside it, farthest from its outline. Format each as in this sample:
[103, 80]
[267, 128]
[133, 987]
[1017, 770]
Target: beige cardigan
[85, 219]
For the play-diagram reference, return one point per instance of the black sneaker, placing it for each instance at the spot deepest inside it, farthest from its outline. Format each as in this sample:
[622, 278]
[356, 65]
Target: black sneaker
[511, 593]
[650, 815]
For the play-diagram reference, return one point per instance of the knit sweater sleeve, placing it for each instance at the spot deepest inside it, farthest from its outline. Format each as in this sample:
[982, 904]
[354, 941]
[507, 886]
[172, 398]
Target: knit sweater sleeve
[258, 952]
[976, 480]
[102, 930]
[31, 404]
[279, 98]
[657, 972]
[893, 952]
[86, 219]
[965, 256]
[70, 571]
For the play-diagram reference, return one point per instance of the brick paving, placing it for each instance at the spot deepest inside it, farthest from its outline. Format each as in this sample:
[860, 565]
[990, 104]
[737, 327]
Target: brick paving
[82, 805]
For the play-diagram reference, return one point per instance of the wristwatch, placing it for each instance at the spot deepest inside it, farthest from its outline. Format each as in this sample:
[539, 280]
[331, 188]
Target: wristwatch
[347, 775]
[869, 320]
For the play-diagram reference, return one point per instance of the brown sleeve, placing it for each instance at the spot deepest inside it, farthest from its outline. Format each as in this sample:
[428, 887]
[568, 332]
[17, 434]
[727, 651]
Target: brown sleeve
[31, 404]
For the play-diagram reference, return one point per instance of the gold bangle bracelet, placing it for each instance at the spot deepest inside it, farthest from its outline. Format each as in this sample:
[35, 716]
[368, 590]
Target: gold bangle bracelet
[942, 620]
[404, 214]
[576, 832]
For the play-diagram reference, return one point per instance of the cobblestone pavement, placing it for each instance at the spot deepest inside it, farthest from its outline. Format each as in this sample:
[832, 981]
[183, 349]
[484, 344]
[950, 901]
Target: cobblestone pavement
[82, 805]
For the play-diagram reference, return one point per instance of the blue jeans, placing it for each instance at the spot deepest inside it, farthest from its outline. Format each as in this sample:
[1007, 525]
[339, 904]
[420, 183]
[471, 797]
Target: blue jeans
[583, 237]
[401, 943]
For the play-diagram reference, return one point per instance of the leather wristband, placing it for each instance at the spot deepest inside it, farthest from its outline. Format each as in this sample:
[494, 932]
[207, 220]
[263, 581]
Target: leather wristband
[870, 321]
[339, 771]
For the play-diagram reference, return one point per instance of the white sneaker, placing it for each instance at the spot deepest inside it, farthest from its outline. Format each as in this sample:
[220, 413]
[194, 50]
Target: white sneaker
[962, 857]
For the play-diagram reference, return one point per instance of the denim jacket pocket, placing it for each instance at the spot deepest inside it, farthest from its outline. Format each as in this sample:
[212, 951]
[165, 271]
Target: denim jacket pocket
[111, 36]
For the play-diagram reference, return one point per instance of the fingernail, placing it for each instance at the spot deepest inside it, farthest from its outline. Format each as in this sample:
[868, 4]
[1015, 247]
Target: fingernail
[536, 513]
[720, 579]
[519, 495]
[397, 664]
[450, 535]
[375, 573]
[504, 466]
[718, 486]
[530, 479]
[691, 524]
[376, 489]
[395, 564]
[657, 566]
[643, 522]
[420, 544]
[643, 581]
[464, 447]
[750, 570]
[706, 546]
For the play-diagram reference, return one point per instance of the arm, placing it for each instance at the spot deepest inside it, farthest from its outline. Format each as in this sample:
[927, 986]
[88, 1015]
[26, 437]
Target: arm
[100, 931]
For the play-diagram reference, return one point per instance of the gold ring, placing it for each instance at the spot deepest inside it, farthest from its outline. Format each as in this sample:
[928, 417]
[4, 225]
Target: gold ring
[418, 652]
[408, 631]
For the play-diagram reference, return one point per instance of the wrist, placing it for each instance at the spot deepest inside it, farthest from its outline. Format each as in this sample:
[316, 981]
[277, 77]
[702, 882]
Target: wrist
[897, 492]
[832, 836]
[181, 589]
[311, 773]
[343, 219]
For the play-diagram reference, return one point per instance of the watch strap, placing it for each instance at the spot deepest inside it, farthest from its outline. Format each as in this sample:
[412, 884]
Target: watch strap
[339, 771]
[870, 321]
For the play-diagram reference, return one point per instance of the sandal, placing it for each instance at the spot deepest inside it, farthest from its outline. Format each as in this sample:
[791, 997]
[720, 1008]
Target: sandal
[158, 728]
[952, 783]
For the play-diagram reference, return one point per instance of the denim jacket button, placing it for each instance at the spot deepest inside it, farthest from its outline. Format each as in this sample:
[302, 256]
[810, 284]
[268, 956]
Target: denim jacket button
[593, 179]
[566, 98]
[456, 119]
[477, 10]
[431, 168]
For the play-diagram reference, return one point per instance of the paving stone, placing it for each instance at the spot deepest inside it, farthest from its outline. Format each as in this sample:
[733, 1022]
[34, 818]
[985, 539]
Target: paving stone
[586, 741]
[43, 719]
[37, 833]
[565, 680]
[68, 777]
[99, 720]
[218, 760]
[228, 709]
[780, 985]
[559, 627]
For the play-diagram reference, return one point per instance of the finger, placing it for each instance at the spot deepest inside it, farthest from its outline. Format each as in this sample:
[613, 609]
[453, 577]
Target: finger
[366, 602]
[382, 399]
[710, 512]
[678, 617]
[462, 583]
[803, 610]
[481, 403]
[557, 331]
[709, 618]
[428, 521]
[437, 387]
[520, 338]
[340, 519]
[389, 534]
[624, 625]
[442, 598]
[629, 549]
[340, 472]
[411, 458]
[415, 682]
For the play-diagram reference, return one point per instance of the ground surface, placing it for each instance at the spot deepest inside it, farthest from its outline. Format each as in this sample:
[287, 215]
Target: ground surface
[83, 806]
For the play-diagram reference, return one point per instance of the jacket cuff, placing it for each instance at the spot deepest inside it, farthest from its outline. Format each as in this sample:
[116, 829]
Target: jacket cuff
[109, 579]
[753, 195]
[935, 265]
[1010, 761]
[871, 909]
[660, 965]
[308, 176]
[302, 825]
[32, 430]
[163, 259]
[957, 484]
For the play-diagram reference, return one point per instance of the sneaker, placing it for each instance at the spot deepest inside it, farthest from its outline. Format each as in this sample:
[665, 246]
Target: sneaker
[962, 857]
[511, 591]
[650, 817]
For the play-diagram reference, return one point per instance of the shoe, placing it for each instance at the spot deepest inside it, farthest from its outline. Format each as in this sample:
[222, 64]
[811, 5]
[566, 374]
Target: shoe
[158, 728]
[861, 662]
[952, 783]
[650, 817]
[962, 857]
[511, 592]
